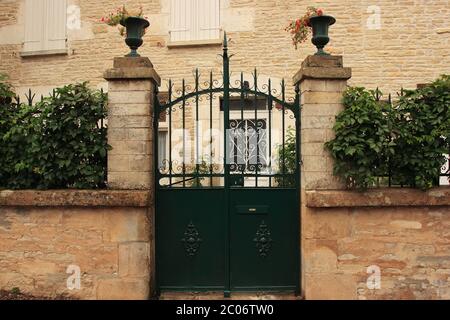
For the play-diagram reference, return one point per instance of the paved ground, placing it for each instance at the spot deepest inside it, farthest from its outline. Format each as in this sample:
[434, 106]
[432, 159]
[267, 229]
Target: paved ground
[234, 296]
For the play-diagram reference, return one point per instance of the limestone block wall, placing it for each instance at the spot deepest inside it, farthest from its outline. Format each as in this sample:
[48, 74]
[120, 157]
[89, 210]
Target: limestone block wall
[132, 84]
[400, 234]
[107, 234]
[322, 81]
[403, 232]
[410, 46]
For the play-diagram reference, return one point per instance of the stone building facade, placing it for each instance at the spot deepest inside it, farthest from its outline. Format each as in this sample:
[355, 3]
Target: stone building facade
[387, 43]
[396, 236]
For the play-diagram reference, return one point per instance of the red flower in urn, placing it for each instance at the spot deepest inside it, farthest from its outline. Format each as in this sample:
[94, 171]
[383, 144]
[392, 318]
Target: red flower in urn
[301, 28]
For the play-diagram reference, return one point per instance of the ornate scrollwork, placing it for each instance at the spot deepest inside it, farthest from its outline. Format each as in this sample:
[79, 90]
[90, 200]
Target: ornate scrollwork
[208, 84]
[263, 240]
[248, 150]
[269, 90]
[191, 240]
[446, 167]
[164, 166]
[248, 145]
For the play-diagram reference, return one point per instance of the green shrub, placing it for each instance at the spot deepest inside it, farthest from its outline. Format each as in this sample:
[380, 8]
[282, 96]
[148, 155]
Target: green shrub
[406, 140]
[287, 160]
[203, 168]
[9, 116]
[422, 122]
[6, 91]
[362, 145]
[17, 143]
[56, 143]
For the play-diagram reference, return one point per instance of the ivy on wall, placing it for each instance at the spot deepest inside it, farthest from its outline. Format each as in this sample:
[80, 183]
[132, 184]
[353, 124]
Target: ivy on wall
[405, 140]
[58, 142]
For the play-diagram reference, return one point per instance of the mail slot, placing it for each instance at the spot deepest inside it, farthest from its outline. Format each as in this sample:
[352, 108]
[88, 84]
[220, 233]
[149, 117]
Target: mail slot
[252, 209]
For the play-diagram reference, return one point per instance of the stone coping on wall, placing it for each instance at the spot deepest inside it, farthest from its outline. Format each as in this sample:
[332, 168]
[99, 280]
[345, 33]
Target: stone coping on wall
[76, 198]
[383, 197]
[322, 68]
[132, 68]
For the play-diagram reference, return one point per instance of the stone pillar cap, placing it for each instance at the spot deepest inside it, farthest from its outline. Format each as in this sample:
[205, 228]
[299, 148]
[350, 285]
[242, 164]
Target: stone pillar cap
[322, 67]
[132, 68]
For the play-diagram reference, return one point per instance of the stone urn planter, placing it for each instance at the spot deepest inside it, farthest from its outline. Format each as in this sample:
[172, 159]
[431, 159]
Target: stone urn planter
[135, 29]
[320, 26]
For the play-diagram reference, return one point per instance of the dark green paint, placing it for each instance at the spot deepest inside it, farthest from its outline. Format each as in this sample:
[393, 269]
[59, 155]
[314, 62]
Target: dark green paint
[176, 210]
[233, 237]
[135, 29]
[320, 26]
[275, 268]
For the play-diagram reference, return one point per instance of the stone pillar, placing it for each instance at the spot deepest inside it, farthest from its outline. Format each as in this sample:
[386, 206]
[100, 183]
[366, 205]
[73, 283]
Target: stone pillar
[132, 83]
[322, 81]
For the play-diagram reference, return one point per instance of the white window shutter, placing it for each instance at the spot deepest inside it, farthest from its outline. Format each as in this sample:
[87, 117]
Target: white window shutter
[55, 33]
[208, 19]
[181, 20]
[194, 20]
[34, 25]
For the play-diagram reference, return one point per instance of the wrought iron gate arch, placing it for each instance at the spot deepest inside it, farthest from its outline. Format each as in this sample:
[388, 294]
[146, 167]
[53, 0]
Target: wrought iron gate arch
[162, 108]
[247, 216]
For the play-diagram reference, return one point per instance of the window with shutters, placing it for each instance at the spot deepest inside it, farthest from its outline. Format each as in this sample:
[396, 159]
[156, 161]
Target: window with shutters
[45, 26]
[194, 20]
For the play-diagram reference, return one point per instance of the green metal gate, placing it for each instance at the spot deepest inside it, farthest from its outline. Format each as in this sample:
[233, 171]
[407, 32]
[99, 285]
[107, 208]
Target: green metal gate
[227, 185]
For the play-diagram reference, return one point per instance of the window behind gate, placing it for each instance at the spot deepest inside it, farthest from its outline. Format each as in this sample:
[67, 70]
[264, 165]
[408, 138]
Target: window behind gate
[249, 145]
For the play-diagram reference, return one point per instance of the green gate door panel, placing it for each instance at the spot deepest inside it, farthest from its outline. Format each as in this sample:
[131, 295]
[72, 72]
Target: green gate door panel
[229, 234]
[191, 239]
[263, 239]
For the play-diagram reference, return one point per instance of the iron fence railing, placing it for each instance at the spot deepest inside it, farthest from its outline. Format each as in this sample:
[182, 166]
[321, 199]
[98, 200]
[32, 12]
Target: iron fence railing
[30, 99]
[228, 132]
[388, 179]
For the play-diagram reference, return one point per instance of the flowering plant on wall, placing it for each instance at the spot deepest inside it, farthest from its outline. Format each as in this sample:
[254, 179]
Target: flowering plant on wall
[120, 15]
[301, 28]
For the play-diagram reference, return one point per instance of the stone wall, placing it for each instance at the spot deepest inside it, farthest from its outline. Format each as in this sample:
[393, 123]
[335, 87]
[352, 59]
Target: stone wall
[132, 84]
[404, 232]
[9, 13]
[107, 234]
[411, 46]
